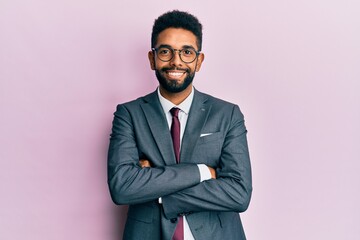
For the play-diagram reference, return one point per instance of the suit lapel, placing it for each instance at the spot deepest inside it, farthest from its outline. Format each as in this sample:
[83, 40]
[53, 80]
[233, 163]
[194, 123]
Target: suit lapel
[158, 125]
[198, 114]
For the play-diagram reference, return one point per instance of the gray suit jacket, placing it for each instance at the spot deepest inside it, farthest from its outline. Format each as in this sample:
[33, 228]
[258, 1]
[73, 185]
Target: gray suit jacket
[140, 131]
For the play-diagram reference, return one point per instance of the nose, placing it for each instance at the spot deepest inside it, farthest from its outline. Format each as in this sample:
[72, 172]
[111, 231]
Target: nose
[176, 60]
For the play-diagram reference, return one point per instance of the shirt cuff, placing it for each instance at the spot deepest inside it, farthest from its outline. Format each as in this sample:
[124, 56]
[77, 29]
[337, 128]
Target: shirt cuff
[160, 200]
[205, 173]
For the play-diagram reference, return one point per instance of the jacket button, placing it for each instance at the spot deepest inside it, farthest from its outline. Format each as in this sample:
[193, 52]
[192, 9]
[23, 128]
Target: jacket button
[173, 220]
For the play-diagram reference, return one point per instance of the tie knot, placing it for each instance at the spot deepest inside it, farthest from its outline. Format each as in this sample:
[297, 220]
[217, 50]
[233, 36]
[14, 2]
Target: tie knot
[174, 111]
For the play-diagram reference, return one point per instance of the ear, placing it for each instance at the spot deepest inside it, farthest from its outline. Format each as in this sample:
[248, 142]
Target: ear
[199, 61]
[151, 60]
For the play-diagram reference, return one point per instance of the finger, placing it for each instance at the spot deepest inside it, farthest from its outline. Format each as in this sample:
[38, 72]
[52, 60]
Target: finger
[144, 163]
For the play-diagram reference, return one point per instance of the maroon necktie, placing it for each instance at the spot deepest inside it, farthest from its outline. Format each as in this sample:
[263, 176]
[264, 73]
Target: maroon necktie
[175, 134]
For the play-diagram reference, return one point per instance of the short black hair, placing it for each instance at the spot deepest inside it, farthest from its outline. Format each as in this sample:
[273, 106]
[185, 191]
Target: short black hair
[177, 19]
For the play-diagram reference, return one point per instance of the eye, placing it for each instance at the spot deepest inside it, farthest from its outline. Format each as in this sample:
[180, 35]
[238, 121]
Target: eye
[164, 51]
[188, 52]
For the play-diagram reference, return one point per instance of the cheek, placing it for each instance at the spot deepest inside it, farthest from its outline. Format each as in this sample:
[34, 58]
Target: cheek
[193, 68]
[159, 65]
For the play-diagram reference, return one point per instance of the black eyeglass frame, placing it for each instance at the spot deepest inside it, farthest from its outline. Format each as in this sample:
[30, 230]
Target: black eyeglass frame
[173, 53]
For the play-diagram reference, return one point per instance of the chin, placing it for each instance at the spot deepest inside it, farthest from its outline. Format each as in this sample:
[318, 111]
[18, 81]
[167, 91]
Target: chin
[172, 85]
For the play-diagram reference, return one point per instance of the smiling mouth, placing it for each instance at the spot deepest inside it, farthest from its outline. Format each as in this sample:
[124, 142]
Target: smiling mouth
[174, 74]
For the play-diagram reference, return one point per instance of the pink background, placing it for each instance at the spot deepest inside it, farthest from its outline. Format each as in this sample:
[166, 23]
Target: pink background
[292, 66]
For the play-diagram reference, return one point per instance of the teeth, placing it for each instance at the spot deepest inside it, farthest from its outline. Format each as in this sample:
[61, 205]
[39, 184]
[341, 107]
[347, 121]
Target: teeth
[175, 74]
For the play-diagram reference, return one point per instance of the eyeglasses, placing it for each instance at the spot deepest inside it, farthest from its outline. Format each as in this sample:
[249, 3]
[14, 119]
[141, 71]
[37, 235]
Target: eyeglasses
[166, 54]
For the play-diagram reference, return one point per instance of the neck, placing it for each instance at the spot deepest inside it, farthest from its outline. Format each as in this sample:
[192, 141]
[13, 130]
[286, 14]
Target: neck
[176, 98]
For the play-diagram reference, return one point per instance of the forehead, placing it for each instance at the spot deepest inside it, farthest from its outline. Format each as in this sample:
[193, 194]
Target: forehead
[176, 38]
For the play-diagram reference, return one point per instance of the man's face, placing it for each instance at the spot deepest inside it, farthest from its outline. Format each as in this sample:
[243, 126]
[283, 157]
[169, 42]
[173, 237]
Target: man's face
[175, 75]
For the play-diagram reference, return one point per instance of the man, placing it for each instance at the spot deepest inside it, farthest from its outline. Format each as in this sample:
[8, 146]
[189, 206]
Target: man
[178, 157]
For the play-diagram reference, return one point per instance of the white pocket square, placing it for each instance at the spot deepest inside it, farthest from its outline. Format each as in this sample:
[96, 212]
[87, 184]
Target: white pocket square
[205, 134]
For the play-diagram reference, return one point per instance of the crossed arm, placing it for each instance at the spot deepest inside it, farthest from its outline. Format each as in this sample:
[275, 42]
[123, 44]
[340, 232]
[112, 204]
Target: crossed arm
[146, 163]
[133, 181]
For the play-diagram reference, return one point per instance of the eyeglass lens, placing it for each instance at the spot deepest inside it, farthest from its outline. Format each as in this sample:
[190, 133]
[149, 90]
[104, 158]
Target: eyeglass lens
[187, 55]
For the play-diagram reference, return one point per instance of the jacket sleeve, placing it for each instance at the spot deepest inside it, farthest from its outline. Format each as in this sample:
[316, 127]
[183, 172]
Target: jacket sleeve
[231, 190]
[127, 181]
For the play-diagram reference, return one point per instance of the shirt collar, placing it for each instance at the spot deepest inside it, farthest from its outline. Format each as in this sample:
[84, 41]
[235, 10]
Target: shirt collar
[184, 106]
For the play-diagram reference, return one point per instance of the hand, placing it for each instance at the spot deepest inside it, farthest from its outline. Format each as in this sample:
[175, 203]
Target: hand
[213, 172]
[144, 163]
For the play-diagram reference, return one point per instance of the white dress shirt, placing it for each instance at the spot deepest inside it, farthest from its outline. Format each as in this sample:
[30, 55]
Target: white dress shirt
[183, 116]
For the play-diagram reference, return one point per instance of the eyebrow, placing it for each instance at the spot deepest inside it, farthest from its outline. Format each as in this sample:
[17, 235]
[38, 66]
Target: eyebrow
[168, 46]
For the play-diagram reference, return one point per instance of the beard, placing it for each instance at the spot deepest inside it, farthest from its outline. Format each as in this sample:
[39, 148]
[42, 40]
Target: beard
[173, 86]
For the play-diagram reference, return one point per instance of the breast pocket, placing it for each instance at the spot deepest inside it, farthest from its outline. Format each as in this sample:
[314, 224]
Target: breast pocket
[208, 137]
[208, 149]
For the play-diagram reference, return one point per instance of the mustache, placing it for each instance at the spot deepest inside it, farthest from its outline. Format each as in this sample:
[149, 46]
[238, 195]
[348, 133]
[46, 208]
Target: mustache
[164, 69]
